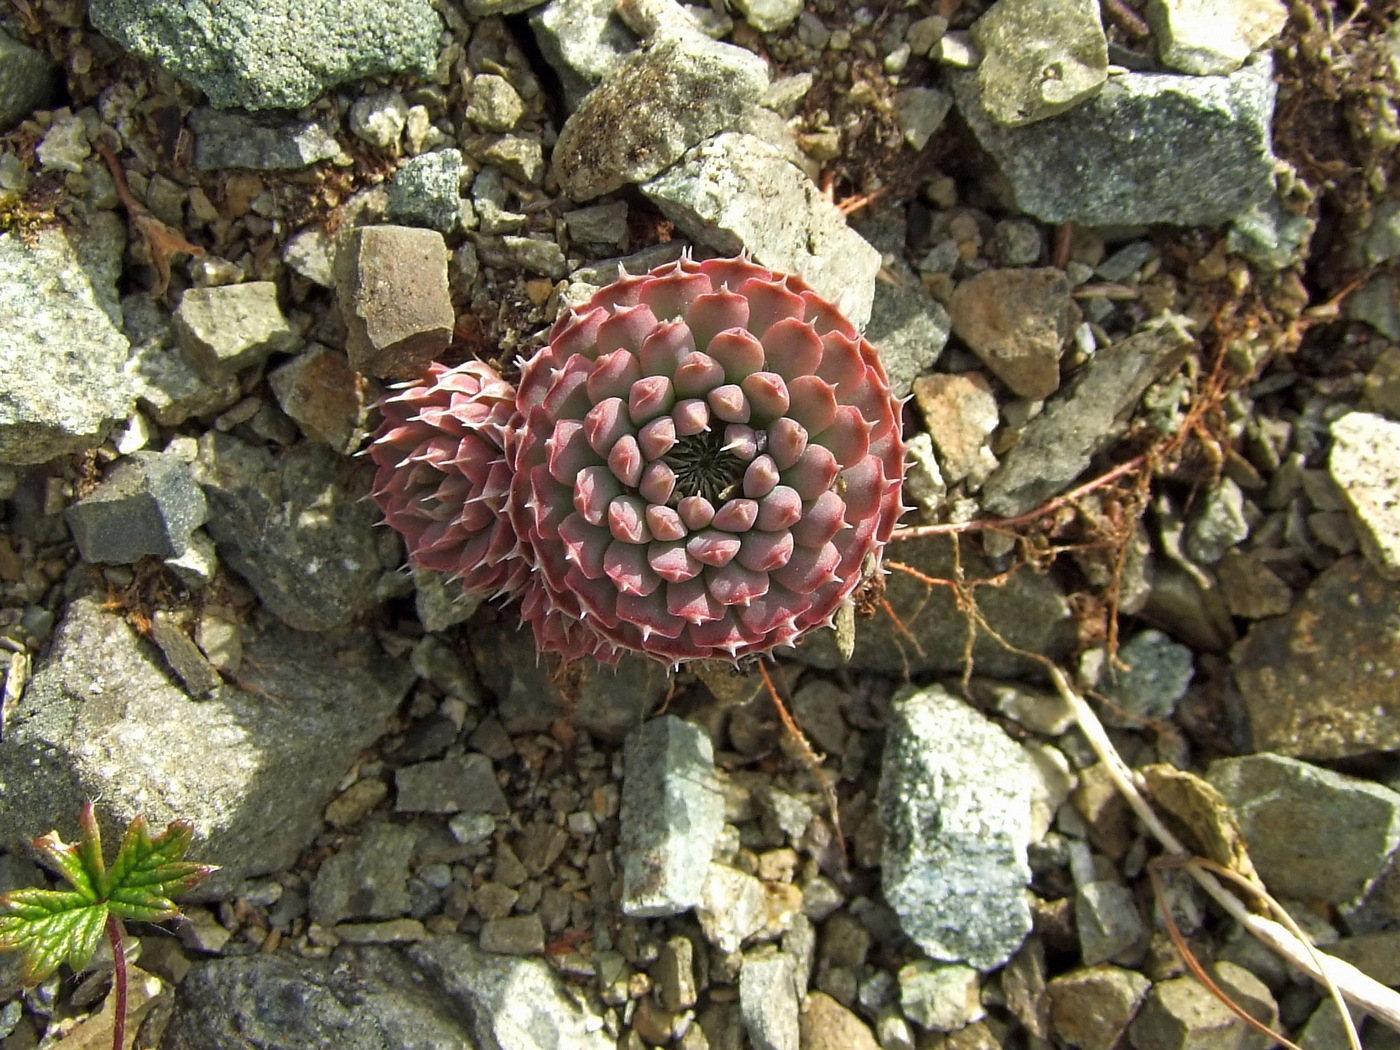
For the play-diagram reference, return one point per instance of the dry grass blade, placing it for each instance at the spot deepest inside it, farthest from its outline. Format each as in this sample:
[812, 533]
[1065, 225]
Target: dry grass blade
[1359, 988]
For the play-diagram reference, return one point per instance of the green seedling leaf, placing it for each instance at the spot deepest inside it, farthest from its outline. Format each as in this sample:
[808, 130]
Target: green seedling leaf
[52, 927]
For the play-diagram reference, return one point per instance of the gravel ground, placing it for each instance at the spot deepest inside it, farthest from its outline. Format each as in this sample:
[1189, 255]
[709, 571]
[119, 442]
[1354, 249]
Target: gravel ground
[1133, 267]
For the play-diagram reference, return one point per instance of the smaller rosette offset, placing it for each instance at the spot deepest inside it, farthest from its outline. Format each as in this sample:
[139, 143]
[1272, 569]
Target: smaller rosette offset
[444, 475]
[709, 454]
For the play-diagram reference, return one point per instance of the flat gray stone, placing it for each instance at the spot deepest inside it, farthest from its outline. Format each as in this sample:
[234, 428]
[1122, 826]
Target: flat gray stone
[1151, 674]
[1090, 1008]
[363, 999]
[658, 103]
[1017, 322]
[732, 908]
[103, 719]
[28, 78]
[1324, 680]
[229, 328]
[167, 385]
[1312, 833]
[513, 1003]
[1058, 445]
[297, 527]
[908, 326]
[1181, 1014]
[457, 784]
[939, 997]
[672, 812]
[148, 504]
[259, 141]
[61, 348]
[366, 879]
[1039, 57]
[278, 55]
[584, 41]
[513, 935]
[768, 1001]
[427, 191]
[1365, 464]
[736, 192]
[1108, 921]
[955, 798]
[1148, 148]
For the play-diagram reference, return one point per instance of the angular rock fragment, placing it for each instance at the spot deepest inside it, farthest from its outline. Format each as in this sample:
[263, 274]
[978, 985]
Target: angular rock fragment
[1039, 57]
[1324, 681]
[61, 348]
[1016, 321]
[672, 813]
[1057, 446]
[1213, 37]
[392, 285]
[955, 799]
[27, 80]
[260, 142]
[366, 879]
[252, 766]
[1313, 834]
[245, 53]
[735, 192]
[1365, 464]
[657, 104]
[1091, 1008]
[768, 1001]
[584, 41]
[321, 393]
[231, 327]
[149, 504]
[1149, 147]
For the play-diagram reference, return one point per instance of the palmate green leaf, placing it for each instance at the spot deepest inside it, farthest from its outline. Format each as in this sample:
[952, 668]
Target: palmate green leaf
[50, 927]
[55, 926]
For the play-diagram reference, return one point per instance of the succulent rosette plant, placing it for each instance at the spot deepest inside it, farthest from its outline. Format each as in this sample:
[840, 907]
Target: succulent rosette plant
[707, 455]
[444, 475]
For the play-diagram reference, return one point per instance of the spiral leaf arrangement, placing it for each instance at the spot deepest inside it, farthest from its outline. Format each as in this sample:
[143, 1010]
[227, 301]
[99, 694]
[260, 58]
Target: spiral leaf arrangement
[698, 464]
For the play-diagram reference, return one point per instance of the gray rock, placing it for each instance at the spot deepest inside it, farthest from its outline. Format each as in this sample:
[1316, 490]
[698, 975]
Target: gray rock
[392, 286]
[600, 224]
[1217, 524]
[768, 1001]
[732, 907]
[246, 53]
[1151, 674]
[363, 999]
[1270, 237]
[1365, 464]
[606, 702]
[919, 112]
[379, 118]
[955, 800]
[1058, 445]
[1091, 1008]
[1150, 147]
[27, 80]
[908, 326]
[672, 812]
[61, 349]
[1213, 37]
[493, 104]
[253, 769]
[655, 106]
[1016, 321]
[1324, 681]
[262, 142]
[231, 327]
[1250, 588]
[736, 192]
[769, 16]
[148, 504]
[164, 379]
[1381, 241]
[1029, 610]
[1108, 921]
[938, 997]
[537, 255]
[1181, 1014]
[296, 526]
[1313, 834]
[1039, 57]
[1377, 303]
[513, 1003]
[183, 656]
[367, 878]
[457, 784]
[584, 41]
[513, 935]
[426, 191]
